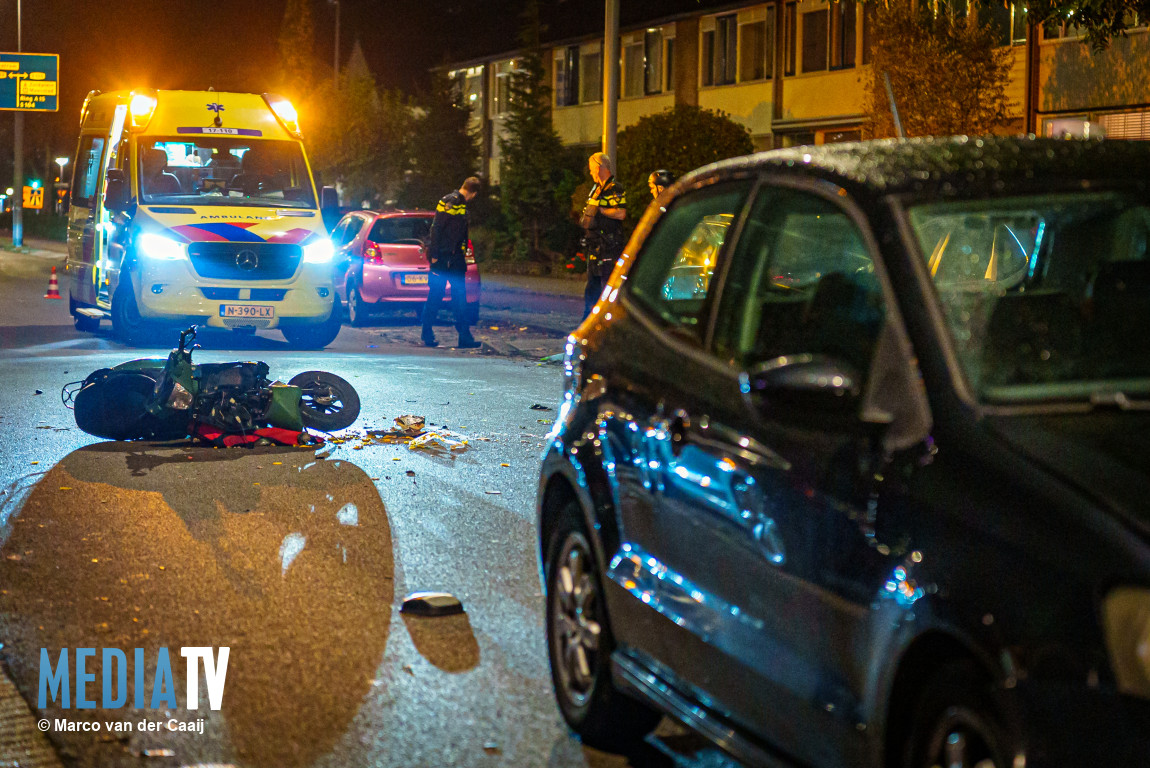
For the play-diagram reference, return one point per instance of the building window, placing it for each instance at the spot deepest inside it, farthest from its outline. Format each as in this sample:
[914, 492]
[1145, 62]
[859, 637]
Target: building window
[815, 41]
[843, 19]
[1007, 21]
[653, 61]
[789, 35]
[590, 77]
[757, 46]
[502, 91]
[567, 76]
[720, 44]
[669, 64]
[633, 69]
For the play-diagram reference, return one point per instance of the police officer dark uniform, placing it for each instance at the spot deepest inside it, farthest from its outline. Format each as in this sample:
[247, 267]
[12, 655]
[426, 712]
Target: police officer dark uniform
[602, 219]
[447, 254]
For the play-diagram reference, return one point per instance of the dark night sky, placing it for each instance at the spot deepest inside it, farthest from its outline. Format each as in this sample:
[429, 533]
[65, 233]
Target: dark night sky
[231, 44]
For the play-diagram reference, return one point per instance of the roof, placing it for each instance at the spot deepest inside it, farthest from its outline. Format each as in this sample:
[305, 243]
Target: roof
[482, 30]
[956, 166]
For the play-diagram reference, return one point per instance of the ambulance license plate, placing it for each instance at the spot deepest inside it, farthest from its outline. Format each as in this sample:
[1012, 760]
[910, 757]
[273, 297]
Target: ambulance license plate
[246, 310]
[415, 279]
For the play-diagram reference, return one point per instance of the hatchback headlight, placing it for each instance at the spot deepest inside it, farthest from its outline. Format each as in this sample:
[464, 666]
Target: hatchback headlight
[1126, 620]
[319, 252]
[158, 247]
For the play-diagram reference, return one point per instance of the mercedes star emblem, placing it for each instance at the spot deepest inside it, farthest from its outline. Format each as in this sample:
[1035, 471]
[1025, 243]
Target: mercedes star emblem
[247, 260]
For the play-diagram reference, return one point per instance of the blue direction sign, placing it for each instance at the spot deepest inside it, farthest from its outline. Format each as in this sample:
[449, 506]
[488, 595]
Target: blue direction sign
[29, 81]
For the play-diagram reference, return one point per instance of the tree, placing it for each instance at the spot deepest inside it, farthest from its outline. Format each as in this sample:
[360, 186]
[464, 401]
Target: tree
[1100, 20]
[296, 48]
[947, 72]
[679, 140]
[535, 187]
[444, 150]
[361, 134]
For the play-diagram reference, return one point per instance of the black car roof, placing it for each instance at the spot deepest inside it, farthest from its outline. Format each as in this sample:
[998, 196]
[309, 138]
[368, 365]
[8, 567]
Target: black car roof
[956, 166]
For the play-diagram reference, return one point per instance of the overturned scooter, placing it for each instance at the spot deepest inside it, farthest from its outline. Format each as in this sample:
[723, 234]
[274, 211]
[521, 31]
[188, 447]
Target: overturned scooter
[157, 399]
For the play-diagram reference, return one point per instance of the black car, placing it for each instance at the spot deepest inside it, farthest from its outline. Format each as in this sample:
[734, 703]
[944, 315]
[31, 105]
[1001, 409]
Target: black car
[852, 464]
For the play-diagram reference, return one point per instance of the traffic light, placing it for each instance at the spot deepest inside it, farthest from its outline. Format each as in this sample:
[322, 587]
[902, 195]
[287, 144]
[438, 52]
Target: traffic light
[35, 184]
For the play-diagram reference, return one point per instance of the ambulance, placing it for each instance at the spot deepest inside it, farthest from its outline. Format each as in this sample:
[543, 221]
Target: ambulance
[198, 207]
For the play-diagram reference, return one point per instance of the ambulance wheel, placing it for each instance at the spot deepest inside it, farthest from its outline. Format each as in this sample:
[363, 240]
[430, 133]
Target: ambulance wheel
[83, 323]
[127, 323]
[317, 335]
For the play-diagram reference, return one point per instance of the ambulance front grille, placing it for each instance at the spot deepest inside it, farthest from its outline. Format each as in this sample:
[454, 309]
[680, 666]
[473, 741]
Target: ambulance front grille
[245, 261]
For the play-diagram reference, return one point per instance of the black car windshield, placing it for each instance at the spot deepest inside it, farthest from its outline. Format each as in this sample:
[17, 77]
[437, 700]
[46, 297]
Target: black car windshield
[1046, 297]
[224, 171]
[400, 230]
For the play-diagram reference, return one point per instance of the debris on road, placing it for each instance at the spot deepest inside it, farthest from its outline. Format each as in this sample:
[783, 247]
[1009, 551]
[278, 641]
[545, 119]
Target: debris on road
[540, 407]
[439, 439]
[494, 493]
[431, 604]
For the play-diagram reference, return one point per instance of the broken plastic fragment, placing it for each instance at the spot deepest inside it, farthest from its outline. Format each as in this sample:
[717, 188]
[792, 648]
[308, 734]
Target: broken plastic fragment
[439, 439]
[292, 545]
[348, 515]
[431, 604]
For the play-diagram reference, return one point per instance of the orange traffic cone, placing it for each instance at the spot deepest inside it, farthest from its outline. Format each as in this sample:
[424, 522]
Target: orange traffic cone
[53, 287]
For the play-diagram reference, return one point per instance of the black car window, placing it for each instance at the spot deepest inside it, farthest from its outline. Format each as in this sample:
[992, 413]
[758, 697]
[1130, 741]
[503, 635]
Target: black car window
[338, 232]
[401, 230]
[354, 225]
[800, 281]
[672, 274]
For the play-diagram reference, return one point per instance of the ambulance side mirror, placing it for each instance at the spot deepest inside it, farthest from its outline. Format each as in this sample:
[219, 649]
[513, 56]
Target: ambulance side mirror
[328, 198]
[116, 194]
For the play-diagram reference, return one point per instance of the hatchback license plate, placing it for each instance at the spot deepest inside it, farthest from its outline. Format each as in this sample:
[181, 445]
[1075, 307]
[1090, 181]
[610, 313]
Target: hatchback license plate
[415, 279]
[246, 310]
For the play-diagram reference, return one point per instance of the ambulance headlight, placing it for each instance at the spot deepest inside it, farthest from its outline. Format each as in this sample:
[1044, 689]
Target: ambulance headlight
[158, 247]
[319, 252]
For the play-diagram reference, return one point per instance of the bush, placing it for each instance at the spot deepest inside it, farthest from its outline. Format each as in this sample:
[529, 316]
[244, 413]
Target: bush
[679, 139]
[41, 226]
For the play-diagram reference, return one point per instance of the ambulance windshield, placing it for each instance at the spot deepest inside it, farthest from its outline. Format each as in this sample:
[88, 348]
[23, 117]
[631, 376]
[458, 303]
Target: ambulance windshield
[224, 171]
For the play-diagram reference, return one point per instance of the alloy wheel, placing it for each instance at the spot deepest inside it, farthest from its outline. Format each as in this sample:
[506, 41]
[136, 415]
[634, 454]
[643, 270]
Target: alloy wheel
[576, 620]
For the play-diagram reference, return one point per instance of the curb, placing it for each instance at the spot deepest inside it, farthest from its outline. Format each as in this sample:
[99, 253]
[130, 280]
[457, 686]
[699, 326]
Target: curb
[21, 743]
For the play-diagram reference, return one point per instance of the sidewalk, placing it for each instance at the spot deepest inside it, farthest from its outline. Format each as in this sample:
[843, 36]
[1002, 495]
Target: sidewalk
[550, 286]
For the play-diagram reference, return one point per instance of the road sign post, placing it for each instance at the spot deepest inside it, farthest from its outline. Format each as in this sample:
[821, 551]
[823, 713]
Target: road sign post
[29, 82]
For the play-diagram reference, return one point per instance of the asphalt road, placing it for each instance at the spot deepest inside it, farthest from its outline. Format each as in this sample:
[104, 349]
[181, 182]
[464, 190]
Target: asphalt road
[298, 564]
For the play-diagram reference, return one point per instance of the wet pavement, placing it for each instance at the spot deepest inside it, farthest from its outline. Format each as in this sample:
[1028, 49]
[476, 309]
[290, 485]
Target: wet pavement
[298, 564]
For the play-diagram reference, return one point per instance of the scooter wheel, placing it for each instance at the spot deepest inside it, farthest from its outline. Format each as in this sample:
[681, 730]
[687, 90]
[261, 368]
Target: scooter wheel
[327, 402]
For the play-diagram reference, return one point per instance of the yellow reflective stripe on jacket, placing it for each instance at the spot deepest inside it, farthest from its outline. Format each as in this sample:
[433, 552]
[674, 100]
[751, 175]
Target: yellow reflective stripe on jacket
[453, 210]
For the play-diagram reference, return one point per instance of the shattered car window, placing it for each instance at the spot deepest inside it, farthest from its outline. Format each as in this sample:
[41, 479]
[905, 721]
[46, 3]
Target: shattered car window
[1042, 294]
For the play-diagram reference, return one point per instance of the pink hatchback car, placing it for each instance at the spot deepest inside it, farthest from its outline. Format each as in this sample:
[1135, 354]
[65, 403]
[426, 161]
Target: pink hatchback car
[380, 263]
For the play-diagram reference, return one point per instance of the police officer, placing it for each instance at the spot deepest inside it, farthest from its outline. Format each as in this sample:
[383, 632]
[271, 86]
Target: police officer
[447, 254]
[658, 181]
[603, 221]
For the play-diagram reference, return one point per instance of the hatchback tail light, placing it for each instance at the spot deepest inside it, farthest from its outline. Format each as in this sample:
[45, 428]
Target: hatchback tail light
[469, 254]
[371, 252]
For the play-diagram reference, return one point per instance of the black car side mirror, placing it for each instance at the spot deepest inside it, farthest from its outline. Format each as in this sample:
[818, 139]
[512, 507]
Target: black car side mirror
[807, 385]
[116, 194]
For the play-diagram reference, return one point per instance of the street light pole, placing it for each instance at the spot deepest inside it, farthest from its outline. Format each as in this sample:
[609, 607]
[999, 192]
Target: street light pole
[335, 66]
[611, 81]
[60, 161]
[18, 169]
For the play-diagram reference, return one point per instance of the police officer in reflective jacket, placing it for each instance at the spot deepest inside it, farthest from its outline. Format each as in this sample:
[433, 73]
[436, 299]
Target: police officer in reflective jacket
[602, 219]
[447, 254]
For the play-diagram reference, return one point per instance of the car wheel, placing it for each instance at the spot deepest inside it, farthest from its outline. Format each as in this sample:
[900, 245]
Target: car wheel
[83, 323]
[316, 335]
[358, 310]
[580, 644]
[128, 325]
[955, 723]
